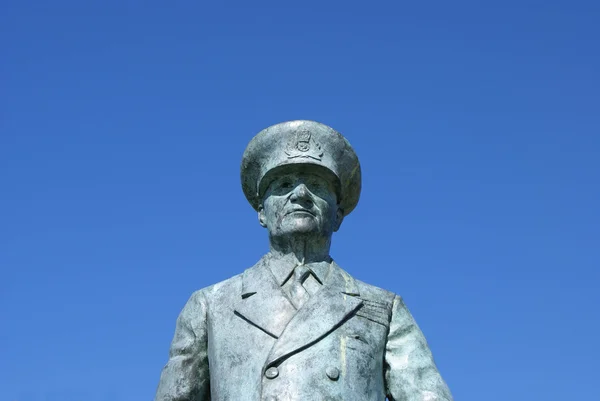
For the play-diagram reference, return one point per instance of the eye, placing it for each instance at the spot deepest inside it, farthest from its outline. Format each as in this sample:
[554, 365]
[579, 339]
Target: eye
[316, 185]
[286, 184]
[282, 186]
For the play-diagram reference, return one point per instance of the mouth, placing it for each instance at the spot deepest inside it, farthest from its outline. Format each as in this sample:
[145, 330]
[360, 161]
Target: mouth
[301, 211]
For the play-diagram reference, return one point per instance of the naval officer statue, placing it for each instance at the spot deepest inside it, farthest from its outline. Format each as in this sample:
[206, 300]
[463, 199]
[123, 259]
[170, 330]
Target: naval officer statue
[295, 326]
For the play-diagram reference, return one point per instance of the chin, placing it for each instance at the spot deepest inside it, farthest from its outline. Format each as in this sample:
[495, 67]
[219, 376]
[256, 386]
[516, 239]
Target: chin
[302, 226]
[305, 229]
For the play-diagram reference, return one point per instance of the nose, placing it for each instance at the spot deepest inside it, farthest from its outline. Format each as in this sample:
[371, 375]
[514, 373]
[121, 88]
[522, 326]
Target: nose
[301, 194]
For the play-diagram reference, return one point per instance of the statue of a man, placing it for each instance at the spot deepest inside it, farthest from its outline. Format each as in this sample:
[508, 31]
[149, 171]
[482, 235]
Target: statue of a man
[295, 326]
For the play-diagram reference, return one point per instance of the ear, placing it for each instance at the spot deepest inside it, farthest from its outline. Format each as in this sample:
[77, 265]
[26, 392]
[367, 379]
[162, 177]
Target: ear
[262, 219]
[339, 218]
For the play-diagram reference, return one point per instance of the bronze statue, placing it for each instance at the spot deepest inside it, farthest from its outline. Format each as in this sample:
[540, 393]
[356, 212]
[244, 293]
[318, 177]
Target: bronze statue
[295, 326]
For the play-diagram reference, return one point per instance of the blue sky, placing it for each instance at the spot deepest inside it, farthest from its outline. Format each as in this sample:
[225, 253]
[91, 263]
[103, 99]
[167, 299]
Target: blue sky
[123, 124]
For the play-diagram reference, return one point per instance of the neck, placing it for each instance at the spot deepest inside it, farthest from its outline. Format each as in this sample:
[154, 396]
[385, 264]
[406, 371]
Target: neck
[302, 249]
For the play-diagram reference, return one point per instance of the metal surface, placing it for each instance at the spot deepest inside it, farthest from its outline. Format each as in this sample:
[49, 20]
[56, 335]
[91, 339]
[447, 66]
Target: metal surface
[282, 332]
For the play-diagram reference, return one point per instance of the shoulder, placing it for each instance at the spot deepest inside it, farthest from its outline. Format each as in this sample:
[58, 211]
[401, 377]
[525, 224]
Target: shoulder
[374, 292]
[219, 291]
[229, 290]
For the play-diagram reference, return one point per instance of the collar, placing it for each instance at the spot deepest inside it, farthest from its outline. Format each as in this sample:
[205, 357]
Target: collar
[282, 267]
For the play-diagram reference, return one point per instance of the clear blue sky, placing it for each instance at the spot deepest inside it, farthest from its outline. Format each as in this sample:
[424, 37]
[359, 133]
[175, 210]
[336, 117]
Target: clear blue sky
[123, 124]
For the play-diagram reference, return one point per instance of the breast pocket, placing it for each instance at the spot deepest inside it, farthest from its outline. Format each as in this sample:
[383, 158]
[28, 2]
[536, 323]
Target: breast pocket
[356, 340]
[365, 333]
[358, 355]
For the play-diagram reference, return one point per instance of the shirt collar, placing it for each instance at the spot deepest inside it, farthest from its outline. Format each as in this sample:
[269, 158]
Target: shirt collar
[282, 267]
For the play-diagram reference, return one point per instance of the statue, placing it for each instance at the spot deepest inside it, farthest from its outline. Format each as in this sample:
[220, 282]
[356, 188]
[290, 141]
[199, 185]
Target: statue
[295, 326]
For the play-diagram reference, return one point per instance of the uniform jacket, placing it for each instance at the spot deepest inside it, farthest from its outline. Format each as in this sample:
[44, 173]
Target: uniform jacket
[242, 340]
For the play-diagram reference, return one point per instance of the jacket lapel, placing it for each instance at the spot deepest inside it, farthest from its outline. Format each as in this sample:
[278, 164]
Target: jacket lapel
[262, 302]
[327, 309]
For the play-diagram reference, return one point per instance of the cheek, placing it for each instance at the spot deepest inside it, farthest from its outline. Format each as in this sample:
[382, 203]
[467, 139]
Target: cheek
[274, 212]
[278, 218]
[328, 210]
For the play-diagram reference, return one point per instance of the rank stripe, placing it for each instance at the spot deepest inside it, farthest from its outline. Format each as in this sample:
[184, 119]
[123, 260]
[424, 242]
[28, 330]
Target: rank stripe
[372, 319]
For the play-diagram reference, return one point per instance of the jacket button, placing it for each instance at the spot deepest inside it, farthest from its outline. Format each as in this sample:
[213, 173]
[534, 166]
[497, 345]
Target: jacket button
[272, 373]
[333, 373]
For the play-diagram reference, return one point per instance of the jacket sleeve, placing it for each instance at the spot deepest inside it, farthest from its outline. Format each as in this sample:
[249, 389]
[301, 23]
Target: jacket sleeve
[185, 377]
[410, 371]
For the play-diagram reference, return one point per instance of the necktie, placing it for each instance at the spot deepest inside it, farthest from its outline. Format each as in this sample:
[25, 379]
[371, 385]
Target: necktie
[298, 293]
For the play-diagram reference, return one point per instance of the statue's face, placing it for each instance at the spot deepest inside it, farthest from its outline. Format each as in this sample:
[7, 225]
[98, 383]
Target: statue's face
[301, 202]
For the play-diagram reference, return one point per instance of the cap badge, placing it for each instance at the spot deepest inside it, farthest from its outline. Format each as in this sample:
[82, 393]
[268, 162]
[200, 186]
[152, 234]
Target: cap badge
[304, 146]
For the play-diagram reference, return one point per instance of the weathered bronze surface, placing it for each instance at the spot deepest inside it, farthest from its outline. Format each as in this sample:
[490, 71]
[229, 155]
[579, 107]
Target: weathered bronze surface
[295, 326]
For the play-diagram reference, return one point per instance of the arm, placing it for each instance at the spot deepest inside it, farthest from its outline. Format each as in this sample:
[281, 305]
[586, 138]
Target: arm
[185, 376]
[410, 372]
